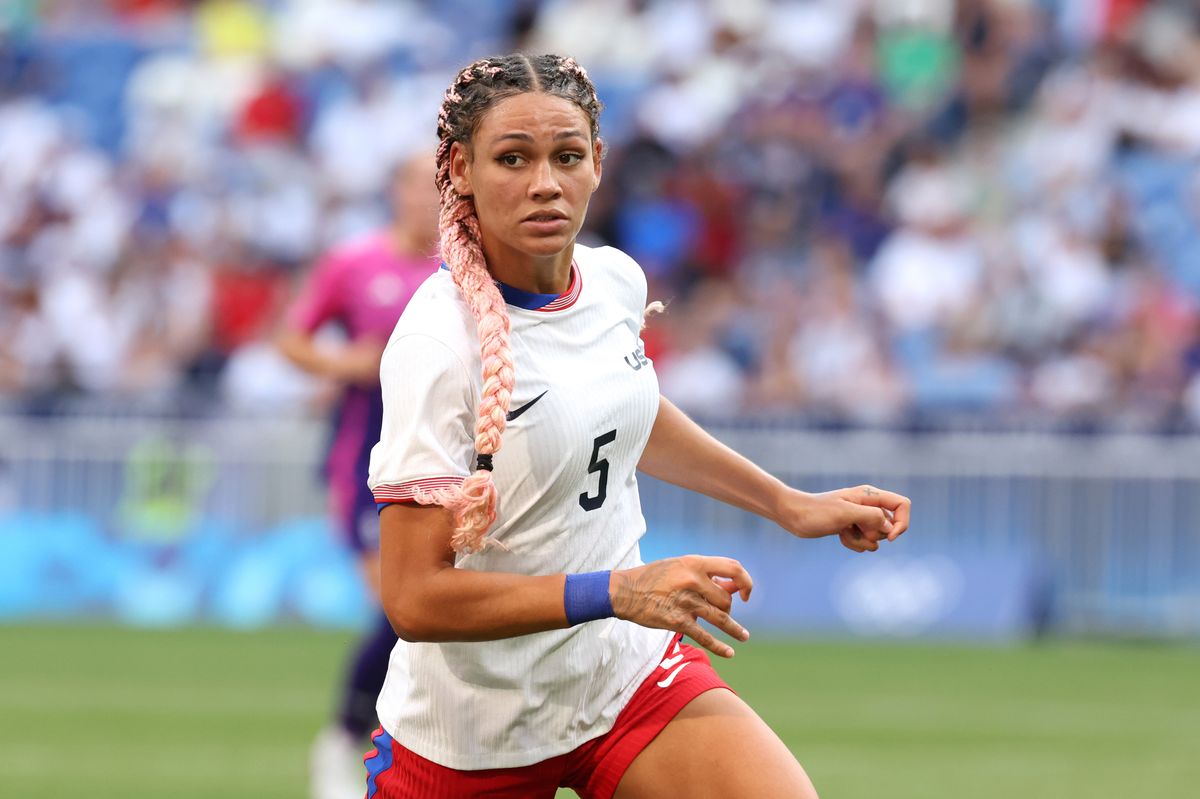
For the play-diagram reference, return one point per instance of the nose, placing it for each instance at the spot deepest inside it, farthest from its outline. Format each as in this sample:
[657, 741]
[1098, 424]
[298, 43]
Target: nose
[543, 184]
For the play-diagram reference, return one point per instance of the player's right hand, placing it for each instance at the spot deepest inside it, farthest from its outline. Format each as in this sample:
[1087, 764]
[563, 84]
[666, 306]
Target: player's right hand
[675, 593]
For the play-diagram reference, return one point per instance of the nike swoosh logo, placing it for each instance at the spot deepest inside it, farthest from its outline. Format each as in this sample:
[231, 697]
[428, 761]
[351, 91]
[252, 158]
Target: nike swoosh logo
[669, 663]
[670, 678]
[514, 414]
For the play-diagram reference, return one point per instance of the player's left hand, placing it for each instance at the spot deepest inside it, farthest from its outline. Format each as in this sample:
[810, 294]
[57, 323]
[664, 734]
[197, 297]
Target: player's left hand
[861, 516]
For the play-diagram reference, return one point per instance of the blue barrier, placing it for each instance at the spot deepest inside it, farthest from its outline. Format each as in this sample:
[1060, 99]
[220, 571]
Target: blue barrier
[64, 565]
[901, 591]
[59, 565]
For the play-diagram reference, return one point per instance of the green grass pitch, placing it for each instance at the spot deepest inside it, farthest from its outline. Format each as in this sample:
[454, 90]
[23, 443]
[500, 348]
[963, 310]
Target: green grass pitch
[105, 712]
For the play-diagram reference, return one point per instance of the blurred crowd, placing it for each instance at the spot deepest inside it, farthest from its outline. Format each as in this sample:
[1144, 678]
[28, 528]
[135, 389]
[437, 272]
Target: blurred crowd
[865, 212]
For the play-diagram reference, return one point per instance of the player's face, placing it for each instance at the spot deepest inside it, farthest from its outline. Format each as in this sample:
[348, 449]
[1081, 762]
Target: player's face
[531, 168]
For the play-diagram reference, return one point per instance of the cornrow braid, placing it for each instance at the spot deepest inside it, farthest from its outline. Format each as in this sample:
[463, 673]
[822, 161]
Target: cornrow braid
[477, 88]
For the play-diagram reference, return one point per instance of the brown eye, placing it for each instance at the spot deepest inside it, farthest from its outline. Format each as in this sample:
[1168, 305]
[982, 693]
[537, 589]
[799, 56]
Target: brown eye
[569, 159]
[511, 159]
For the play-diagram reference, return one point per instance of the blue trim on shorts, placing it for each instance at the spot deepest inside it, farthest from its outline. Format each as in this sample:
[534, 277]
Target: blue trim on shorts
[381, 762]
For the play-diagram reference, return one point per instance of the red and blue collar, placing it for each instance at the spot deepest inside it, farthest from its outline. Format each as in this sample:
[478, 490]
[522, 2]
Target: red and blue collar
[540, 302]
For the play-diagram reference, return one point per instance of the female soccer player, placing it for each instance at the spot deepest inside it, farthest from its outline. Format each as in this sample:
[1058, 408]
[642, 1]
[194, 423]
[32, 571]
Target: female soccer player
[362, 287]
[538, 650]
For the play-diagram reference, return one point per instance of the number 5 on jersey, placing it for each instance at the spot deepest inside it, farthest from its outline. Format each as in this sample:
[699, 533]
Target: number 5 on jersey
[598, 464]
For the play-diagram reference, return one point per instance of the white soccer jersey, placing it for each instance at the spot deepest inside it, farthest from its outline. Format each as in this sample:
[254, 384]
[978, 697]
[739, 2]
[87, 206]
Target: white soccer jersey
[584, 401]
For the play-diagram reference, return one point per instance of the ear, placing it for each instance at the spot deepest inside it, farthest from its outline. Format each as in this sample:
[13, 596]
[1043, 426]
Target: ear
[460, 169]
[597, 157]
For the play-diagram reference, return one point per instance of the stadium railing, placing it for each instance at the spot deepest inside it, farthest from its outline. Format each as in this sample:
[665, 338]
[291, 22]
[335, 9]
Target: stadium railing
[1112, 521]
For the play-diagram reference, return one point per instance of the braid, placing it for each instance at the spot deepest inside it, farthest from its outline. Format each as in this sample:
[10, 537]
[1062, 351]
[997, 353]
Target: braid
[476, 88]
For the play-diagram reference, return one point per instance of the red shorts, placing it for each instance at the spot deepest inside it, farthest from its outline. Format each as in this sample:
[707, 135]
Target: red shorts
[592, 770]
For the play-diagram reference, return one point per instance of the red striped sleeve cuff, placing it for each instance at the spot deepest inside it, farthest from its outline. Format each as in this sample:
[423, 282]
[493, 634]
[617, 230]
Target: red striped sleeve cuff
[404, 492]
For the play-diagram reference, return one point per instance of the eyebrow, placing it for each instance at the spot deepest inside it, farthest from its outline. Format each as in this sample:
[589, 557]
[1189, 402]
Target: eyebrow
[525, 137]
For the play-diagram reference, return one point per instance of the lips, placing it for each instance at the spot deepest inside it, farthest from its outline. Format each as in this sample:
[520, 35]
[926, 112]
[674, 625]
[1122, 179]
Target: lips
[545, 216]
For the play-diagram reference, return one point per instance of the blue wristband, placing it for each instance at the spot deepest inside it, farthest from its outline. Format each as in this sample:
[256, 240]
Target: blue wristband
[585, 597]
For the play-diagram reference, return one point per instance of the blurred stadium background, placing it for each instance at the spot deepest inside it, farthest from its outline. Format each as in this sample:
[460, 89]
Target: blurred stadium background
[951, 248]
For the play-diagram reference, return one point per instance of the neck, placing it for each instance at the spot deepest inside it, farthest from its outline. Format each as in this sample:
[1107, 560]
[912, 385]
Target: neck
[549, 274]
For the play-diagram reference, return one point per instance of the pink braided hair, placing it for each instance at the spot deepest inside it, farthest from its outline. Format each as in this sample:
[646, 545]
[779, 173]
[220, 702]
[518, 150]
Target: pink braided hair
[475, 89]
[474, 502]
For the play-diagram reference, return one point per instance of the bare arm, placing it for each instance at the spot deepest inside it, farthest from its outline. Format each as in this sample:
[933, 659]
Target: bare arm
[357, 362]
[427, 599]
[680, 452]
[683, 453]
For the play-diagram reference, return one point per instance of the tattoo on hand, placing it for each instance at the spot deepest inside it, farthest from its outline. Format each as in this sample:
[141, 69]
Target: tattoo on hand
[870, 492]
[634, 597]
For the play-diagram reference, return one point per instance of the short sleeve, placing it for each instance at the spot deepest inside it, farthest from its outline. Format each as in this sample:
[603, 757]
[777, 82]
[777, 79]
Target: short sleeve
[426, 439]
[631, 279]
[319, 299]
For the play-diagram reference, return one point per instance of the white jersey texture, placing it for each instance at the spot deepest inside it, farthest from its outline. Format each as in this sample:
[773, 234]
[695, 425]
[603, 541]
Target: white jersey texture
[568, 504]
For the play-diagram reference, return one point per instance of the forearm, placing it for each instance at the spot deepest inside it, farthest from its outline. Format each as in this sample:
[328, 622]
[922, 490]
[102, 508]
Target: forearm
[427, 598]
[460, 605]
[300, 349]
[682, 453]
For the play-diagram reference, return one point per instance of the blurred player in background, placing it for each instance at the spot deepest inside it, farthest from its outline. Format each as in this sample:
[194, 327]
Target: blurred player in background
[545, 654]
[361, 287]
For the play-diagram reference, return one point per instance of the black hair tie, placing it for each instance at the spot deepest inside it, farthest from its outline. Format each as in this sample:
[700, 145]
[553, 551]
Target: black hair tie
[483, 462]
